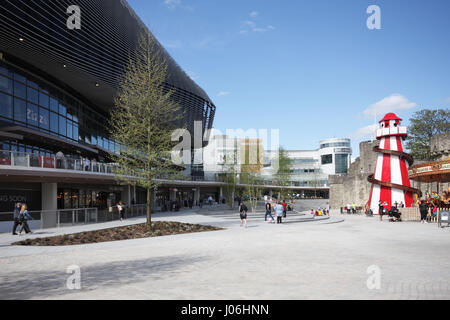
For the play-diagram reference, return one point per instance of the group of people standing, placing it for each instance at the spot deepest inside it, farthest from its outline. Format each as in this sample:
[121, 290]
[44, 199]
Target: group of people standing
[425, 209]
[21, 216]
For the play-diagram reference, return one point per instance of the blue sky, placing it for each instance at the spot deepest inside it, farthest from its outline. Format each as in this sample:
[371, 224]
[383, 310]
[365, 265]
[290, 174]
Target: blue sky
[309, 68]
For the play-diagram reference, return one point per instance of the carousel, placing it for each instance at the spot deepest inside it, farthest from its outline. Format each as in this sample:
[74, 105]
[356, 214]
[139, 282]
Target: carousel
[438, 171]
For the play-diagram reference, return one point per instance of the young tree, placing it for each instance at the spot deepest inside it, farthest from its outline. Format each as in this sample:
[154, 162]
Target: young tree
[284, 174]
[424, 125]
[253, 187]
[231, 181]
[143, 120]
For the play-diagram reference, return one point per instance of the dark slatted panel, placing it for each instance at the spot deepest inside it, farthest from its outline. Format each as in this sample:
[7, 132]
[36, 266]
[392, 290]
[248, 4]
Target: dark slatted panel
[95, 54]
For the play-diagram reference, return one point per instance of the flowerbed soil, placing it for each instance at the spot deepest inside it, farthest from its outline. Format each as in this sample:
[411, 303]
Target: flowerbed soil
[138, 231]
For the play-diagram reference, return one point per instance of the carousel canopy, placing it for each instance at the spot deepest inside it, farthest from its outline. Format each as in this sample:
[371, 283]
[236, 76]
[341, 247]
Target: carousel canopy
[438, 171]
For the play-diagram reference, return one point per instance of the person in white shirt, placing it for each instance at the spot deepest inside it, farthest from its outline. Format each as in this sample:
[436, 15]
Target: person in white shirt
[87, 164]
[279, 209]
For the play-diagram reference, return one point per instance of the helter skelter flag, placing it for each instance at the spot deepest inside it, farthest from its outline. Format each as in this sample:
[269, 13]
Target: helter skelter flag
[390, 182]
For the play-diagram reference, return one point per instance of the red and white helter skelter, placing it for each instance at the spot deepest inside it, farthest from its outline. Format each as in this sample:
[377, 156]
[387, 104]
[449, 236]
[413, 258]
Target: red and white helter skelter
[390, 182]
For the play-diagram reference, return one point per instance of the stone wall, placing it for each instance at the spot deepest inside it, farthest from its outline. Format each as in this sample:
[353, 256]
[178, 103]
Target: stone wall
[440, 146]
[354, 187]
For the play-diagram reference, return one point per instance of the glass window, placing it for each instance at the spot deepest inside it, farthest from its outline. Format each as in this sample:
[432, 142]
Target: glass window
[32, 84]
[18, 77]
[5, 71]
[33, 95]
[100, 141]
[94, 139]
[62, 110]
[44, 119]
[87, 139]
[54, 122]
[69, 113]
[75, 132]
[20, 110]
[32, 114]
[341, 163]
[69, 129]
[6, 106]
[62, 126]
[6, 85]
[44, 100]
[20, 90]
[327, 159]
[53, 105]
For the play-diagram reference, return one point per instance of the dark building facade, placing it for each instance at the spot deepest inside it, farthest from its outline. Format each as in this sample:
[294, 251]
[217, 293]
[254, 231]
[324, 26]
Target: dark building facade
[57, 86]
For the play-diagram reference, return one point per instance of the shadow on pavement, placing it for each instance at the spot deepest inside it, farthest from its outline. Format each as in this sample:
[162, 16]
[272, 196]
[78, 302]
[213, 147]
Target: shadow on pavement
[32, 285]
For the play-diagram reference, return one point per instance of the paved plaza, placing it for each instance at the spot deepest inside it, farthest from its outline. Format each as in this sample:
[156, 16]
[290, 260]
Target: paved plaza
[301, 259]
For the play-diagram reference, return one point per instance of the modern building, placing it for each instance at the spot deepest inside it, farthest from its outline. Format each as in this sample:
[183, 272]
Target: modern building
[57, 86]
[310, 169]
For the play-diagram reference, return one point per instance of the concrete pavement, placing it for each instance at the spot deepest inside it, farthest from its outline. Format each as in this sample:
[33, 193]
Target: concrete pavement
[314, 260]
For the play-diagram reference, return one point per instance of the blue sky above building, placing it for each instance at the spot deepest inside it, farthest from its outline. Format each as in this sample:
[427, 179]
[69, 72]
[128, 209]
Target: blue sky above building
[309, 68]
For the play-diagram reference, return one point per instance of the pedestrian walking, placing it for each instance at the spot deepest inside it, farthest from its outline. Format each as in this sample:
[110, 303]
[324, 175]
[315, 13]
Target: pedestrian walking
[423, 207]
[269, 212]
[243, 214]
[284, 204]
[17, 209]
[121, 209]
[279, 211]
[23, 217]
[210, 200]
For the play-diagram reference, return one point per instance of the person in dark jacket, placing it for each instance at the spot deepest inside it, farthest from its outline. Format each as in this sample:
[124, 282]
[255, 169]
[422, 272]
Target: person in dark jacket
[269, 212]
[423, 211]
[17, 209]
[23, 217]
[243, 213]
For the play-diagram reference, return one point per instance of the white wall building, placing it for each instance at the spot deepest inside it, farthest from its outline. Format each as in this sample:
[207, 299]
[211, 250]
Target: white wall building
[311, 168]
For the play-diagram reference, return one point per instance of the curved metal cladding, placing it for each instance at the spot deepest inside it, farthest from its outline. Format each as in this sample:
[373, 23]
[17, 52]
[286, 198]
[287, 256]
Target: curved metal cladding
[88, 62]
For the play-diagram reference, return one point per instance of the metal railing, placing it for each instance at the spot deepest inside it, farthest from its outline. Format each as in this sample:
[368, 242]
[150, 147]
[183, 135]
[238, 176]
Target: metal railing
[32, 160]
[72, 217]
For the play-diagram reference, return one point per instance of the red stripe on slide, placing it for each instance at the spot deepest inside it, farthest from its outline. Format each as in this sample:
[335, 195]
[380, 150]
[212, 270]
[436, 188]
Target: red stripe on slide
[405, 177]
[399, 144]
[386, 192]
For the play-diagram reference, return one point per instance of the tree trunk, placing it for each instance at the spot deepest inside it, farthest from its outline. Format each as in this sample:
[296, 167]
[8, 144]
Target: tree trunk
[149, 207]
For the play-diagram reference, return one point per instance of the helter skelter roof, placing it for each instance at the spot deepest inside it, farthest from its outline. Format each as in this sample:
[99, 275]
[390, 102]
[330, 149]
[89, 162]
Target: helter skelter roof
[389, 117]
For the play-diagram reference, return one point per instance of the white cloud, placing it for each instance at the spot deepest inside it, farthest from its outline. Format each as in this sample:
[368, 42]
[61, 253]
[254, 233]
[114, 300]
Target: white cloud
[223, 93]
[250, 25]
[171, 4]
[392, 103]
[366, 132]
